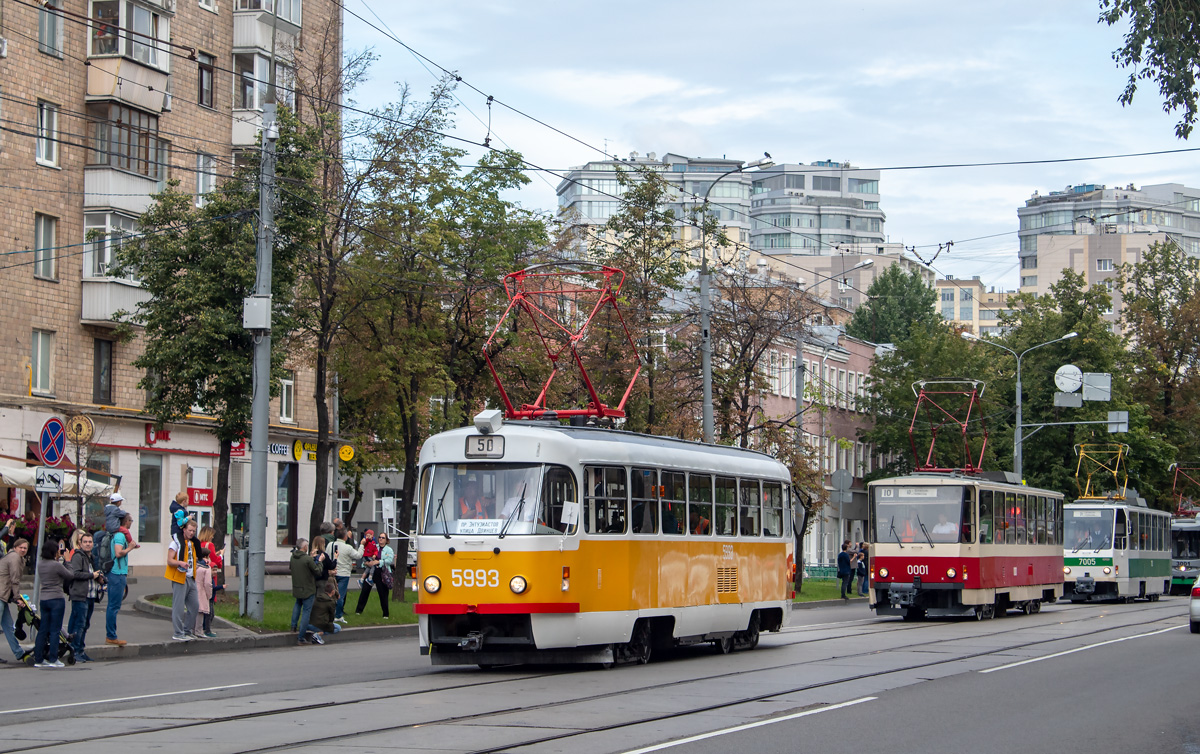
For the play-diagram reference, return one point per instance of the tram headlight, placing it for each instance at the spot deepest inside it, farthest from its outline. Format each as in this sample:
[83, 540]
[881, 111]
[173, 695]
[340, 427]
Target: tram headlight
[1107, 570]
[518, 584]
[883, 573]
[951, 573]
[1066, 570]
[433, 584]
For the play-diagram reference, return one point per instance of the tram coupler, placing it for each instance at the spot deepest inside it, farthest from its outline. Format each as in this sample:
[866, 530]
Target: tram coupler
[902, 595]
[473, 642]
[1085, 585]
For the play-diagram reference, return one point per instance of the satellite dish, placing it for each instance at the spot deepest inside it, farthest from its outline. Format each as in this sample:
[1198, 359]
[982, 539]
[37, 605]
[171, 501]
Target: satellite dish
[1068, 378]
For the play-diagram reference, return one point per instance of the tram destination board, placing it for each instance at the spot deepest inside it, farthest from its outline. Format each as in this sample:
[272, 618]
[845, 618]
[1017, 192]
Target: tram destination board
[485, 446]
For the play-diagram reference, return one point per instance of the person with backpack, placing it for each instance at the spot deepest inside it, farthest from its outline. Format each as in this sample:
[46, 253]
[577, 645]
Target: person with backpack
[116, 561]
[84, 591]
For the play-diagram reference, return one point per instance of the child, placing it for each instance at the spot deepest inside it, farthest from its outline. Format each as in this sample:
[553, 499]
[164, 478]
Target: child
[204, 591]
[370, 551]
[112, 519]
[215, 557]
[179, 514]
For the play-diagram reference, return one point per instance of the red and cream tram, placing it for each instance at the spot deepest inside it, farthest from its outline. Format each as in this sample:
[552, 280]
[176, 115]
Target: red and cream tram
[541, 542]
[963, 545]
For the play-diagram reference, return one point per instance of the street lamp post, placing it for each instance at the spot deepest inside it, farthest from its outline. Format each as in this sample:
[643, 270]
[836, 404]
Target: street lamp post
[706, 303]
[1018, 467]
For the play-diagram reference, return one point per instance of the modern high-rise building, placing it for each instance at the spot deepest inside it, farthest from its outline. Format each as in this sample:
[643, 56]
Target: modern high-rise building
[102, 102]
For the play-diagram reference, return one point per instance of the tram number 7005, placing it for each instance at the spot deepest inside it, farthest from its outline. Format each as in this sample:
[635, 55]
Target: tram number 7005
[477, 577]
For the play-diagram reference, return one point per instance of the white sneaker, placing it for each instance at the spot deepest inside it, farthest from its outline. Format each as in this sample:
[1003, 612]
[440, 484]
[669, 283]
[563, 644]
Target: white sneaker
[340, 620]
[182, 638]
[42, 664]
[57, 664]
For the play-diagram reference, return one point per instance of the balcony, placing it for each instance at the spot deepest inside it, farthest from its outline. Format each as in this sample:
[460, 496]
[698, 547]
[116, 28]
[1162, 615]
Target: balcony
[109, 188]
[252, 29]
[104, 297]
[128, 81]
[246, 125]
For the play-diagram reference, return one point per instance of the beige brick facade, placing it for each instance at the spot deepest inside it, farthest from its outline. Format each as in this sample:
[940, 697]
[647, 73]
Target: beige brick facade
[85, 81]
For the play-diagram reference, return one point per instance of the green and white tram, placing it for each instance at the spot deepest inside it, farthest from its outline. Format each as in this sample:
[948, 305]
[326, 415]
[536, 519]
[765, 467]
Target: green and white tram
[1115, 551]
[1185, 554]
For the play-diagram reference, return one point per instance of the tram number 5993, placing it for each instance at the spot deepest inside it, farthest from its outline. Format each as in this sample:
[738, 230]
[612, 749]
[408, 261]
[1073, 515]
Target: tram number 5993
[476, 577]
[918, 570]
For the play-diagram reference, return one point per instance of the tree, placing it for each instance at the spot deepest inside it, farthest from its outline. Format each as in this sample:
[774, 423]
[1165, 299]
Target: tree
[897, 303]
[1163, 45]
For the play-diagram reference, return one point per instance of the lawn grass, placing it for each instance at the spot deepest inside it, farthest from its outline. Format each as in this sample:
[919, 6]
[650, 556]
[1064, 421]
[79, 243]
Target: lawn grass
[815, 590]
[277, 611]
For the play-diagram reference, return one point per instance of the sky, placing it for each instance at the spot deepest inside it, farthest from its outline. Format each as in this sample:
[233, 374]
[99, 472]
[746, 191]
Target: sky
[880, 84]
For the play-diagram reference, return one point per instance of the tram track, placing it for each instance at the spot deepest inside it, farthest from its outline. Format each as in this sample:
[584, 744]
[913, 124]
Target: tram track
[888, 626]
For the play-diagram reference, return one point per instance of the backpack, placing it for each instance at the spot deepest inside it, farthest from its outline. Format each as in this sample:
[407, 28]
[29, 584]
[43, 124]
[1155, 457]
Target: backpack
[104, 552]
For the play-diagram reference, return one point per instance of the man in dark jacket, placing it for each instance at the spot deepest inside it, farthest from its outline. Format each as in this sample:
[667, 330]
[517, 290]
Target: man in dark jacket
[845, 571]
[304, 587]
[84, 591]
[323, 612]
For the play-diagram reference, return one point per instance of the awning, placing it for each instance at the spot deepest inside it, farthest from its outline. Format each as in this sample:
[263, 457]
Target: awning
[24, 479]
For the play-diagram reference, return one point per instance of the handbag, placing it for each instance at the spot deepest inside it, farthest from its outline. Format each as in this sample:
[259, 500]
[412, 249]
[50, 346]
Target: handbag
[385, 577]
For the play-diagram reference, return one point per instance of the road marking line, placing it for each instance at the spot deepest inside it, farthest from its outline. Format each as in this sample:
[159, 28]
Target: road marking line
[1077, 649]
[831, 624]
[126, 698]
[748, 726]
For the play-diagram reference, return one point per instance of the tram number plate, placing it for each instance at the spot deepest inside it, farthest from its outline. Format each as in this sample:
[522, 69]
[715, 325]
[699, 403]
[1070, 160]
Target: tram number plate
[485, 446]
[476, 577]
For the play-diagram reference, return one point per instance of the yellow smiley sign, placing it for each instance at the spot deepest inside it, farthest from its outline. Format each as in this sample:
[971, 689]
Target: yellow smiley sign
[346, 453]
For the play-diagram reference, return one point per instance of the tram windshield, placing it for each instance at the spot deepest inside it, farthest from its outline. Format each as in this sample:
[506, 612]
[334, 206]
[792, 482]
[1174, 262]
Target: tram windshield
[1185, 545]
[917, 514]
[1087, 529]
[498, 498]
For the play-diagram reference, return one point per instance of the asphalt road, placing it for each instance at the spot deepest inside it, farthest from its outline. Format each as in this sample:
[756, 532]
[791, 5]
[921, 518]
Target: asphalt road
[1071, 679]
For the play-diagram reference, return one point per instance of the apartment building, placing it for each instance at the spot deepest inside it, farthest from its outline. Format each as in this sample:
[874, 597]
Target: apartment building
[101, 103]
[973, 306]
[843, 278]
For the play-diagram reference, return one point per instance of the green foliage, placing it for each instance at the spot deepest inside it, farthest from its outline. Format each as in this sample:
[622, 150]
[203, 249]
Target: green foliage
[1163, 45]
[898, 302]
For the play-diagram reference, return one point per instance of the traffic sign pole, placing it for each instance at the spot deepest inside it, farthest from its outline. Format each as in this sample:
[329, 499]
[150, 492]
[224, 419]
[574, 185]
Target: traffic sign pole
[41, 542]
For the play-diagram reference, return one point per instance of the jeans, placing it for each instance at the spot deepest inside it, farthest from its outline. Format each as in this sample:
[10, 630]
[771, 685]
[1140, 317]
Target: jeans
[81, 621]
[49, 625]
[301, 612]
[116, 594]
[847, 580]
[343, 583]
[6, 623]
[185, 605]
[862, 585]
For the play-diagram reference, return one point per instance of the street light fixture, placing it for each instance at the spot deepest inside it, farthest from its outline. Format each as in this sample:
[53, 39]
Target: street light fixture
[1018, 467]
[706, 303]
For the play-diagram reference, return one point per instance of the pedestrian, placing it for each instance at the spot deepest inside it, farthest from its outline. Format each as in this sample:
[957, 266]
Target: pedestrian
[345, 555]
[845, 571]
[305, 568]
[52, 605]
[7, 529]
[382, 580]
[326, 564]
[181, 572]
[12, 566]
[864, 564]
[323, 620]
[215, 557]
[84, 591]
[117, 578]
[204, 595]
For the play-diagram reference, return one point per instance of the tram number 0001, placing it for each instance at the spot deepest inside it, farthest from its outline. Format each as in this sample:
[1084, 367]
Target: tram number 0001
[918, 570]
[478, 577]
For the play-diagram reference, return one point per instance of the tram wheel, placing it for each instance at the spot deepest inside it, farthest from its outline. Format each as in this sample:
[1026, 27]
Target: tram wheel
[1195, 627]
[724, 646]
[988, 611]
[640, 643]
[748, 639]
[1027, 607]
[1036, 607]
[1154, 598]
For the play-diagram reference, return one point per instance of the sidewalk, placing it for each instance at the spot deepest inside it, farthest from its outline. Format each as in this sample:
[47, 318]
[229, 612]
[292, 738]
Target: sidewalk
[146, 627]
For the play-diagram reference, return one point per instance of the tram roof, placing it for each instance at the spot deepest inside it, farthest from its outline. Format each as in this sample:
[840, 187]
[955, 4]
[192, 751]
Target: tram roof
[615, 445]
[992, 479]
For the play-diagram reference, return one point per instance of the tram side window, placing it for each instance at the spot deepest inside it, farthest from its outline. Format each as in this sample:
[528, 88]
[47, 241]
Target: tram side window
[674, 495]
[725, 513]
[1054, 521]
[1021, 516]
[1009, 531]
[749, 509]
[1119, 542]
[700, 508]
[558, 487]
[605, 503]
[966, 534]
[1038, 504]
[985, 517]
[643, 488]
[772, 509]
[1135, 531]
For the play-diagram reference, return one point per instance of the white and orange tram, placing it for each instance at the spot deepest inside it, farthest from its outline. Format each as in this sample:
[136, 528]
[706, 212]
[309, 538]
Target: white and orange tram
[540, 542]
[963, 545]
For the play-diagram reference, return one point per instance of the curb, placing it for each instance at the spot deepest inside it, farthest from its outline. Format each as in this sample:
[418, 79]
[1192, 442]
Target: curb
[826, 603]
[144, 605]
[246, 641]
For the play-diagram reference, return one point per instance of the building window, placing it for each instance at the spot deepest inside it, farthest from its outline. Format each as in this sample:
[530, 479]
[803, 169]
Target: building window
[846, 302]
[385, 509]
[1104, 265]
[947, 295]
[131, 29]
[104, 233]
[289, 10]
[206, 176]
[50, 30]
[126, 139]
[209, 5]
[102, 371]
[1029, 263]
[966, 311]
[1029, 281]
[251, 78]
[42, 364]
[47, 134]
[150, 497]
[206, 79]
[45, 230]
[864, 186]
[826, 183]
[285, 85]
[287, 397]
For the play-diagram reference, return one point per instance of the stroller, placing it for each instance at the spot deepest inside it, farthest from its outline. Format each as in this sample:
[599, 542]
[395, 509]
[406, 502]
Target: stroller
[27, 614]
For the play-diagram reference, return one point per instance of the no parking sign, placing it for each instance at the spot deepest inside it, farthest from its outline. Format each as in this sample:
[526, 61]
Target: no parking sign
[52, 443]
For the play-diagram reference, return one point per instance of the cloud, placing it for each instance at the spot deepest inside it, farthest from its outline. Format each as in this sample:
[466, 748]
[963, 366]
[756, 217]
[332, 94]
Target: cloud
[611, 90]
[888, 72]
